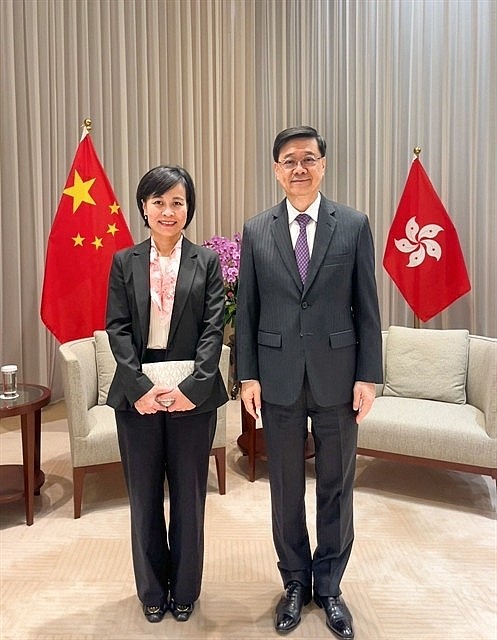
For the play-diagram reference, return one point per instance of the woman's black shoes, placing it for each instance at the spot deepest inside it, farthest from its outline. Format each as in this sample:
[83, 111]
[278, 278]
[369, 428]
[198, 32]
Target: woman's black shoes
[154, 613]
[181, 611]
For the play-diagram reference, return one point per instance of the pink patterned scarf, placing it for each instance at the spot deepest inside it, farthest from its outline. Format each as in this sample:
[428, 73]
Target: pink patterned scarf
[163, 282]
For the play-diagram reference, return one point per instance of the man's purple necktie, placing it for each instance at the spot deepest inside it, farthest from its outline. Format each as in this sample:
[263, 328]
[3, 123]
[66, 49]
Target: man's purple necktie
[301, 246]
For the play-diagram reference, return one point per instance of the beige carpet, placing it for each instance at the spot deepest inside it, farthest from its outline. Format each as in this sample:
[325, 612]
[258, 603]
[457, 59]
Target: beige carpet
[423, 565]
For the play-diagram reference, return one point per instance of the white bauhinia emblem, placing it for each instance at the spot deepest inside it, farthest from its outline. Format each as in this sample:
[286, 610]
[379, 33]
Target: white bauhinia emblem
[419, 242]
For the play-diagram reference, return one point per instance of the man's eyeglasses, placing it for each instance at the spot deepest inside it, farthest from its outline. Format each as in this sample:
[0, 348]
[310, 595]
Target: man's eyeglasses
[306, 163]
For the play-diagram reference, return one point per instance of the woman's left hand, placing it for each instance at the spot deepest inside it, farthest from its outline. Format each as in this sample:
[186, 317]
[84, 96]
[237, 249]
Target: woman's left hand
[179, 401]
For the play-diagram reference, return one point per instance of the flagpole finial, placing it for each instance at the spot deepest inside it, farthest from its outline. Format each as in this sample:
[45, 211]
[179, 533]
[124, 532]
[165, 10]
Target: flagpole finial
[416, 150]
[87, 124]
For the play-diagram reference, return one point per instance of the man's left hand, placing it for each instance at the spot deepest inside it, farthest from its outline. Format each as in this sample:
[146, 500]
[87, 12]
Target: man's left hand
[364, 395]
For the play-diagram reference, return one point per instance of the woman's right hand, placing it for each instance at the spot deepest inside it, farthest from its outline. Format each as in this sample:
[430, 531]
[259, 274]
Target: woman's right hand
[148, 403]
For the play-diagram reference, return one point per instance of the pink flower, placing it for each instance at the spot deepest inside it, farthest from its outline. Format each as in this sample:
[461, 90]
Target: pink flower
[229, 258]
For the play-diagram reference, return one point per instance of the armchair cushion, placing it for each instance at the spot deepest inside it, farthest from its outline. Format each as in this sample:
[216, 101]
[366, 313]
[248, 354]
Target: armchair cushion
[428, 429]
[428, 364]
[106, 365]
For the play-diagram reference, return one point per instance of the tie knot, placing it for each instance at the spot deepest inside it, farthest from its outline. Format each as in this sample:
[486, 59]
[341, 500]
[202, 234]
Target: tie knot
[303, 220]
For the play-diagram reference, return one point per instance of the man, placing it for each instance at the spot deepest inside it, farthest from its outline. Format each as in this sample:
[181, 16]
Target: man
[308, 345]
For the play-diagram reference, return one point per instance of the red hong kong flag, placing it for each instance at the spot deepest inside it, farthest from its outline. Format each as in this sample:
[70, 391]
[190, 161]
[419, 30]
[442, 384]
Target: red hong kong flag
[422, 254]
[87, 230]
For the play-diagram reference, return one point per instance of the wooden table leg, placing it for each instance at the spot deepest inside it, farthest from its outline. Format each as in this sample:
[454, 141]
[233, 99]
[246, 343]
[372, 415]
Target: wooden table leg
[249, 427]
[37, 459]
[252, 449]
[28, 456]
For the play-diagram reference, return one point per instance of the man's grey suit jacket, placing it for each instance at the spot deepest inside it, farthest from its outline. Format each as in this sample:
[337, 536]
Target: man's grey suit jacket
[329, 328]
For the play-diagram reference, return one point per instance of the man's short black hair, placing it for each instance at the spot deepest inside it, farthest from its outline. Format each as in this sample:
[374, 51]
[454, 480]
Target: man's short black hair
[303, 131]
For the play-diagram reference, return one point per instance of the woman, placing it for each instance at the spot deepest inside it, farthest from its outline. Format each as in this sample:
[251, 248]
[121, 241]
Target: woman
[166, 303]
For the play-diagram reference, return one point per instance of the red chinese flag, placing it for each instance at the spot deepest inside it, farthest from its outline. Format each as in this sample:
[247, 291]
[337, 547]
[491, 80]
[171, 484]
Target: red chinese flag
[422, 254]
[87, 230]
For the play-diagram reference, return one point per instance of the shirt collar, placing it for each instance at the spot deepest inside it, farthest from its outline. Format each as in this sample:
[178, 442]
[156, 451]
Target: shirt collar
[175, 248]
[311, 211]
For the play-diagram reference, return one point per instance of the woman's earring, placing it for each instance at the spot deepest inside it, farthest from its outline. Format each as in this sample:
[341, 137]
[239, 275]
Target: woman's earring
[146, 217]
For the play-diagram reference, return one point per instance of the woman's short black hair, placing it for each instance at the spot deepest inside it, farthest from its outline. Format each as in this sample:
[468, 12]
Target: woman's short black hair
[159, 180]
[303, 131]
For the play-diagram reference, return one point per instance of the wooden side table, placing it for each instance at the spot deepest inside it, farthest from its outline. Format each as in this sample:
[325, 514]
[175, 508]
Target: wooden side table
[252, 444]
[18, 481]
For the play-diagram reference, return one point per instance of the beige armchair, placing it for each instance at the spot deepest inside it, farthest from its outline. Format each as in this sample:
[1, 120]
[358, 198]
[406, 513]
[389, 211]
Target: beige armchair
[87, 369]
[438, 406]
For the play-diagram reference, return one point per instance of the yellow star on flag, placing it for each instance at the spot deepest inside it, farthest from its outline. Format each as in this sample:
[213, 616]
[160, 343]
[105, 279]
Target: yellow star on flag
[114, 208]
[78, 241]
[80, 191]
[112, 229]
[98, 243]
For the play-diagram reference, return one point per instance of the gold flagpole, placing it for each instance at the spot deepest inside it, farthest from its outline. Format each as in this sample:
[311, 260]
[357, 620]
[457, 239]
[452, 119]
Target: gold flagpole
[86, 126]
[417, 322]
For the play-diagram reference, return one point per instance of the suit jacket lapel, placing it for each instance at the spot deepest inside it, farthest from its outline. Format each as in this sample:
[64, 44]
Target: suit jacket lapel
[141, 283]
[324, 232]
[186, 273]
[283, 241]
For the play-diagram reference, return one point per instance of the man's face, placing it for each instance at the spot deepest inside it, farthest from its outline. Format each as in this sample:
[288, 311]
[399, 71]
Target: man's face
[302, 181]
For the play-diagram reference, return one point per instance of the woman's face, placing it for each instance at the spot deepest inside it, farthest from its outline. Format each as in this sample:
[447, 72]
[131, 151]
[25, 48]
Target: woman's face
[167, 213]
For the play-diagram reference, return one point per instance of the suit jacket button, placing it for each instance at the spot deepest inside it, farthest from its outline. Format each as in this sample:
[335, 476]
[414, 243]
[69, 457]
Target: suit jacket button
[304, 305]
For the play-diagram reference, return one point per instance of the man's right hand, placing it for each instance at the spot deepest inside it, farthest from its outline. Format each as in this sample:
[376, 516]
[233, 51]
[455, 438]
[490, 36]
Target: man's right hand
[251, 397]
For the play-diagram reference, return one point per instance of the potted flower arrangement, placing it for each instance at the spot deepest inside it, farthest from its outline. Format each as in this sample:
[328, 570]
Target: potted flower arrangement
[229, 257]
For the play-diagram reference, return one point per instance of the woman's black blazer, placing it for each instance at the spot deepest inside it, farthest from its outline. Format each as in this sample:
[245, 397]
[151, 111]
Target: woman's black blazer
[196, 331]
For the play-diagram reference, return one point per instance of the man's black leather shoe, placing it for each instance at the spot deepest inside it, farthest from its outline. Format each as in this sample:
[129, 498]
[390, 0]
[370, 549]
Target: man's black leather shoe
[181, 611]
[154, 614]
[289, 608]
[338, 617]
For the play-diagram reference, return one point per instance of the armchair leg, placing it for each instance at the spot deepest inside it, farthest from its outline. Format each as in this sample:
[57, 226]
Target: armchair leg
[78, 476]
[219, 454]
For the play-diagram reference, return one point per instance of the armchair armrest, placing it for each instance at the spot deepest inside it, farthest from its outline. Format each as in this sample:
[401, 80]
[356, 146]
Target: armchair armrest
[481, 383]
[79, 376]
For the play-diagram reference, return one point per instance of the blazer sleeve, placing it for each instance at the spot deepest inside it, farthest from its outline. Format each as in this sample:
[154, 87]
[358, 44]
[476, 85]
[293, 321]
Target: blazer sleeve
[129, 381]
[365, 309]
[247, 313]
[199, 386]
